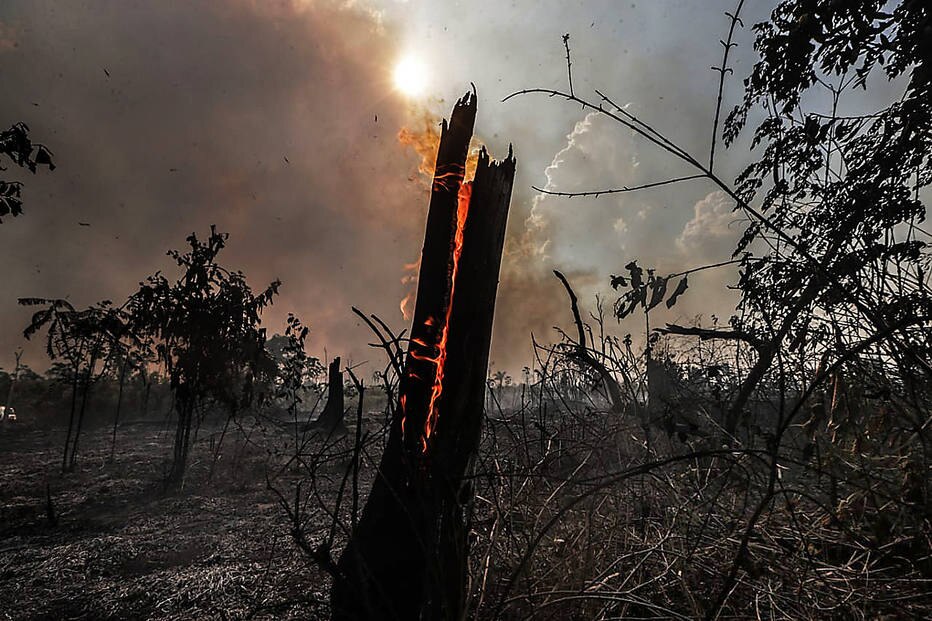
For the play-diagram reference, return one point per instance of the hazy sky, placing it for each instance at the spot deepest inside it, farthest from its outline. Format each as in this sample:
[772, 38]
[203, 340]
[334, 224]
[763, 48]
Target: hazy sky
[279, 123]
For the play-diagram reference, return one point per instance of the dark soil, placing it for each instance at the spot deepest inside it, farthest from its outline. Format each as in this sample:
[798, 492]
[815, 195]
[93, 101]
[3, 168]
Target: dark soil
[118, 545]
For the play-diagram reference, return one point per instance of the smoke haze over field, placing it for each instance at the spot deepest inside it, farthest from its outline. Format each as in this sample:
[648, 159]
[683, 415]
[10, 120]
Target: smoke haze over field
[279, 123]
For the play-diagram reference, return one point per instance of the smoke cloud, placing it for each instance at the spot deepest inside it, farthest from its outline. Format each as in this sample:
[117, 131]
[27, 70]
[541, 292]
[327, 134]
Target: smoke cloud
[277, 121]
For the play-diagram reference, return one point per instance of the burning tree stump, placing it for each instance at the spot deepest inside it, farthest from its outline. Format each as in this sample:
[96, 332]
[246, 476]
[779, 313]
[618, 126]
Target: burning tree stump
[406, 559]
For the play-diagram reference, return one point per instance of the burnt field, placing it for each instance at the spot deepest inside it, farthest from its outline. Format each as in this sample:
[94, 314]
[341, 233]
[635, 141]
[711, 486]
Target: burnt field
[581, 511]
[117, 545]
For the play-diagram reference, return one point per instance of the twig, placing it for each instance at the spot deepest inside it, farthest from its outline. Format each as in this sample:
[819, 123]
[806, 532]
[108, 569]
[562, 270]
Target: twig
[386, 344]
[569, 64]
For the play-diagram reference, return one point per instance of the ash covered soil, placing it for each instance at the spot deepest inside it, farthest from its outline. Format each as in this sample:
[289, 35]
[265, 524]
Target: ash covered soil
[123, 547]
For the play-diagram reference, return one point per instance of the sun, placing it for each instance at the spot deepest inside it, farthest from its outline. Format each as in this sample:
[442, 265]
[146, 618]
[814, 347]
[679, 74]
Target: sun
[410, 76]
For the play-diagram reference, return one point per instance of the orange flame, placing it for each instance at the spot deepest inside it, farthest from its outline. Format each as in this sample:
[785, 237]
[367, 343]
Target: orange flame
[425, 142]
[465, 192]
[410, 279]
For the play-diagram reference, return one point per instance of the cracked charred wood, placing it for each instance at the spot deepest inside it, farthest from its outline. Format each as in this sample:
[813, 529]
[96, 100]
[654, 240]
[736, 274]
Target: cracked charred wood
[462, 399]
[407, 557]
[383, 569]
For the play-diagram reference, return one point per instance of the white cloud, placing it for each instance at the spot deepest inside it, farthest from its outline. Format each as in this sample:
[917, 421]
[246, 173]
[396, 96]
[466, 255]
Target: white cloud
[539, 218]
[586, 233]
[711, 233]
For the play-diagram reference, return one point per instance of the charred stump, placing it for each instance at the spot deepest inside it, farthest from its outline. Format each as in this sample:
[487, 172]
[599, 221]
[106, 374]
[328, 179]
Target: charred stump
[406, 558]
[330, 421]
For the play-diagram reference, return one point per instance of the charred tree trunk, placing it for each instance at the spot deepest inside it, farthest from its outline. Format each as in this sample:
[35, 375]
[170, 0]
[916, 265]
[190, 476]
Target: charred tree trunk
[74, 406]
[88, 383]
[383, 567]
[406, 557]
[461, 403]
[116, 416]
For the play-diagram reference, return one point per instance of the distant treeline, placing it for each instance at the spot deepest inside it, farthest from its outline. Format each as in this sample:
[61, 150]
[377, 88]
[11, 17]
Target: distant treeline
[45, 399]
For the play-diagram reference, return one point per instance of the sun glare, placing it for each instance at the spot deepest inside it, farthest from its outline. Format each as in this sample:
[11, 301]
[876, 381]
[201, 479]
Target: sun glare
[410, 77]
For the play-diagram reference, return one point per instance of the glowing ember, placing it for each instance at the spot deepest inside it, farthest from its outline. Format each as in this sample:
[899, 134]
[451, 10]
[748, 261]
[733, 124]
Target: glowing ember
[404, 400]
[446, 181]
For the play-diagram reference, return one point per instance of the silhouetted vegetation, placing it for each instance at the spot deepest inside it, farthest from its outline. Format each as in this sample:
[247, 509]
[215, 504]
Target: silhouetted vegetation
[820, 381]
[205, 328]
[18, 148]
[88, 341]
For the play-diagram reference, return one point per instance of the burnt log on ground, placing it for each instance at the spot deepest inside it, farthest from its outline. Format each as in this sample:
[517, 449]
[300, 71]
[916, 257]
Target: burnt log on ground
[406, 558]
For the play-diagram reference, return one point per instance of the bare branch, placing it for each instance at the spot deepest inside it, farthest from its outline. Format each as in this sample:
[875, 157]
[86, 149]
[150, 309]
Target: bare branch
[722, 71]
[620, 190]
[705, 334]
[386, 344]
